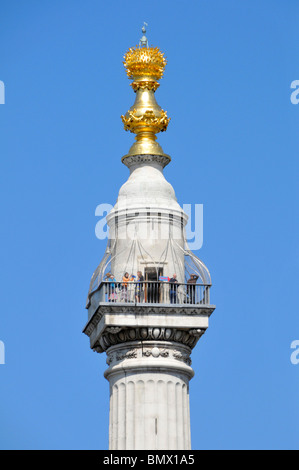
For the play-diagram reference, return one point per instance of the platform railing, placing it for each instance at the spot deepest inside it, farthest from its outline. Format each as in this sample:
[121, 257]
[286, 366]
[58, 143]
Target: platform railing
[154, 292]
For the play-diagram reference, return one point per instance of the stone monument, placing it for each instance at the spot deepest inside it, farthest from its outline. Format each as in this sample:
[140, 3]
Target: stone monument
[149, 299]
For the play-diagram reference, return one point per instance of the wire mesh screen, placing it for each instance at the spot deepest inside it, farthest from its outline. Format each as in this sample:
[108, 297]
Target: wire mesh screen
[173, 255]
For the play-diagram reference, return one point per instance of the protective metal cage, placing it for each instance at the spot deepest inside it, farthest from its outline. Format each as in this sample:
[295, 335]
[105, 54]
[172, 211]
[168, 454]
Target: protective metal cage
[187, 263]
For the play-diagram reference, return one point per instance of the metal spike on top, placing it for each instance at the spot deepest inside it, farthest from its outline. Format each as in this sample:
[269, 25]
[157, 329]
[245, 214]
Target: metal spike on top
[143, 41]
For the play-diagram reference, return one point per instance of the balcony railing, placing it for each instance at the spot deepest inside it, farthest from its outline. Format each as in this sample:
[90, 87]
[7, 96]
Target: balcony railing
[153, 292]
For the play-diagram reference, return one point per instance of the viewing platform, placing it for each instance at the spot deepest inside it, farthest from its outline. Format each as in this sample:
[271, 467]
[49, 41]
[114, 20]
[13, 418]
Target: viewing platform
[152, 292]
[136, 310]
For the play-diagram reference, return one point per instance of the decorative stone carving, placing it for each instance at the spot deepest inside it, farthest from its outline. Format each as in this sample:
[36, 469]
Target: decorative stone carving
[116, 336]
[197, 332]
[127, 355]
[134, 159]
[155, 352]
[145, 309]
[113, 329]
[110, 359]
[93, 322]
[182, 357]
[147, 353]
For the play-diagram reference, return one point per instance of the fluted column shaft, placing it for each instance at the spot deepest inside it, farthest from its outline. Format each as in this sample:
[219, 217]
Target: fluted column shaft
[149, 396]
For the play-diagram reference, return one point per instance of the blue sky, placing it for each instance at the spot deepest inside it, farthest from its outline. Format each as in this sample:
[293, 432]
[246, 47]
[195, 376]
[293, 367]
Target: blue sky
[233, 139]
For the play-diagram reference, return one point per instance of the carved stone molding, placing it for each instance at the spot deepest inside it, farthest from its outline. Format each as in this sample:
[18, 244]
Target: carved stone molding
[155, 352]
[113, 337]
[132, 354]
[134, 159]
[165, 355]
[145, 309]
[92, 323]
[113, 329]
[182, 357]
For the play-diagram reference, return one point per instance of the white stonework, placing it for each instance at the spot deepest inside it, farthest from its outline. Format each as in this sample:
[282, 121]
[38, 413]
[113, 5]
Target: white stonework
[147, 210]
[148, 344]
[149, 298]
[149, 396]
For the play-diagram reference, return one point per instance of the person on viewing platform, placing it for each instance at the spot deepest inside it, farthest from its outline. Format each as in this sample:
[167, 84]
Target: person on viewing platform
[173, 288]
[139, 290]
[191, 289]
[112, 289]
[131, 288]
[124, 287]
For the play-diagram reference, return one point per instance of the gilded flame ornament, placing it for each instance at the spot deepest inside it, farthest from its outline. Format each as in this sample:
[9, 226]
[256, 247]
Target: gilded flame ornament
[145, 62]
[145, 66]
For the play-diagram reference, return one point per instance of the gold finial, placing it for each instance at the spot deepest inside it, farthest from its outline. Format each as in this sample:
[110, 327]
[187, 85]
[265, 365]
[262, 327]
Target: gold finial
[145, 66]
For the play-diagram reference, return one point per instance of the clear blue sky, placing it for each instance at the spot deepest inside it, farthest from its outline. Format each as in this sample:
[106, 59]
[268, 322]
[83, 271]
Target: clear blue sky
[233, 139]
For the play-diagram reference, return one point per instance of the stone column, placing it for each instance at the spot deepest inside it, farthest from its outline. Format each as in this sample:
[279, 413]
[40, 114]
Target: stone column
[149, 396]
[148, 351]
